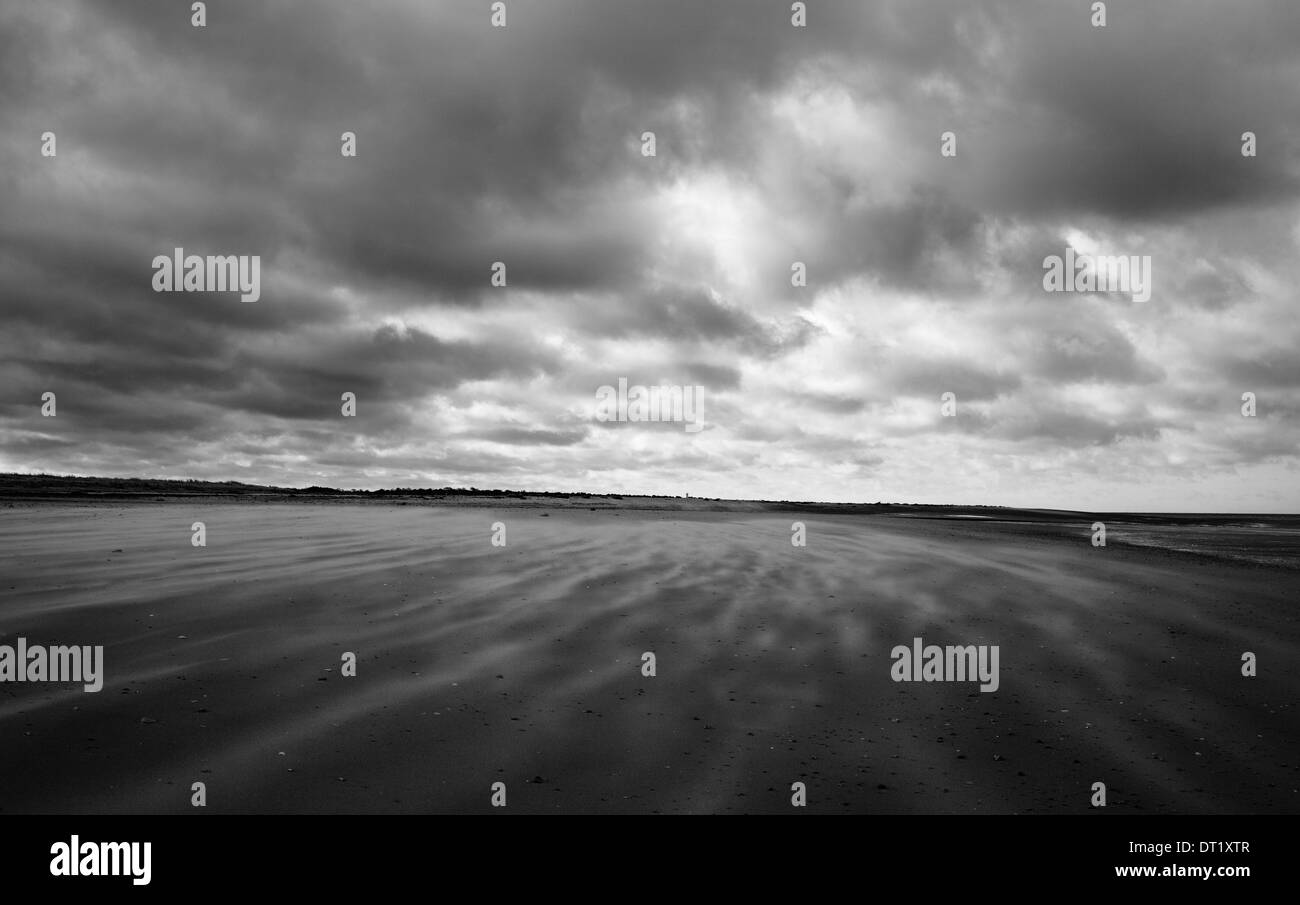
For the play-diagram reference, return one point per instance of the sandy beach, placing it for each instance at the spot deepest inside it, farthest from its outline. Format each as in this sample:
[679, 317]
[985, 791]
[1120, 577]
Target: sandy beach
[522, 664]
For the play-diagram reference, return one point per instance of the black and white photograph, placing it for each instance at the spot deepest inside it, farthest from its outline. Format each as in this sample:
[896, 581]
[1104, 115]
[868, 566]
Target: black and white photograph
[878, 408]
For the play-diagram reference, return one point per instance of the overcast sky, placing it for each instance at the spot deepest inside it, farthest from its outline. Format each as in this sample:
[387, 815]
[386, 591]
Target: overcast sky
[774, 144]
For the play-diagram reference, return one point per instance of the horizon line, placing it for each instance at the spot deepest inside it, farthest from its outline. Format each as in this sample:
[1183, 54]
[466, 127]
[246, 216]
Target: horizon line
[615, 494]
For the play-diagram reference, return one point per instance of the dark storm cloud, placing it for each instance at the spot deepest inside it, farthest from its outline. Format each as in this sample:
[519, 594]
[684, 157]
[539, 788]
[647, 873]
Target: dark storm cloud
[1088, 350]
[585, 379]
[1077, 429]
[829, 402]
[896, 242]
[929, 377]
[524, 437]
[522, 145]
[688, 314]
[1271, 367]
[1145, 117]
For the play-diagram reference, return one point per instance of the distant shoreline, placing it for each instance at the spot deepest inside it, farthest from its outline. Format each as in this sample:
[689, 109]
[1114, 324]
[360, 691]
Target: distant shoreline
[15, 488]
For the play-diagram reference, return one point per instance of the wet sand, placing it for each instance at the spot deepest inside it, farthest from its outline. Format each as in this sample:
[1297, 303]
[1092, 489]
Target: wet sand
[522, 664]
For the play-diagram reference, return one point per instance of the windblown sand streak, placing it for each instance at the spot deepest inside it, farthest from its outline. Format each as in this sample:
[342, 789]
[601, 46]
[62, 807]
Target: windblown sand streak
[521, 664]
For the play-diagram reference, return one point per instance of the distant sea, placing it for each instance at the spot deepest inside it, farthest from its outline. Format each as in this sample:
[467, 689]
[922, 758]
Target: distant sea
[1260, 542]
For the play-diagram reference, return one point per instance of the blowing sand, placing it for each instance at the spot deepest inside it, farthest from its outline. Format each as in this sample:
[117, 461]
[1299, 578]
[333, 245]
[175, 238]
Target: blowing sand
[523, 664]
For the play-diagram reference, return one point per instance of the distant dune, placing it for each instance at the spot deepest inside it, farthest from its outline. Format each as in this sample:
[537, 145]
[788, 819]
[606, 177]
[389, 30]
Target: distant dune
[522, 664]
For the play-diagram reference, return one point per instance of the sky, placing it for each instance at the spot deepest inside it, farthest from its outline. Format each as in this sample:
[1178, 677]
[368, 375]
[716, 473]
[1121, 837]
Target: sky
[773, 144]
